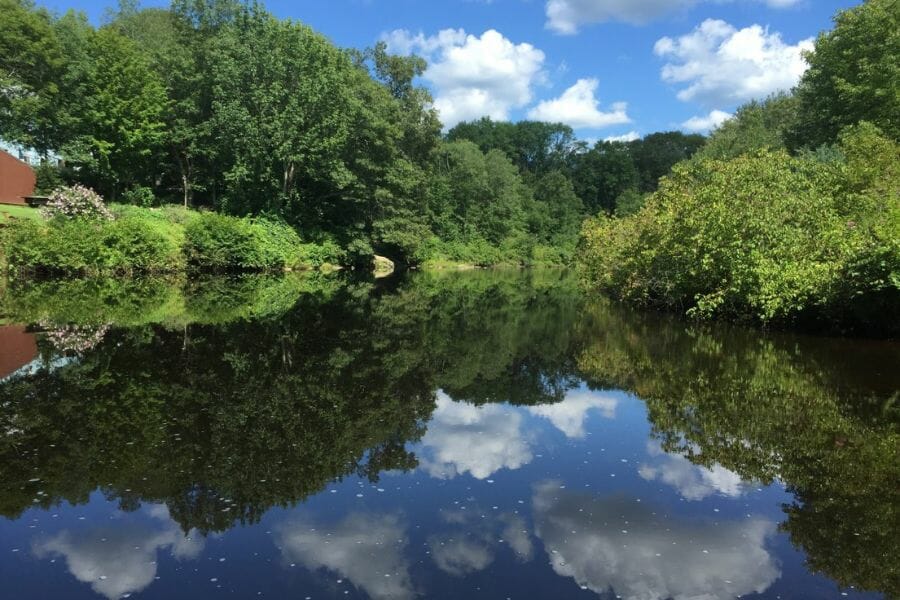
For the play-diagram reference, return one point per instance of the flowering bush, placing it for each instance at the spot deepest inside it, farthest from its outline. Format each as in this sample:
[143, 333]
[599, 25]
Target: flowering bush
[74, 339]
[76, 202]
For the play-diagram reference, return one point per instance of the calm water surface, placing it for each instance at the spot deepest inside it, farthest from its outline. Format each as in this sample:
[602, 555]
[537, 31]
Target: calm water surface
[479, 435]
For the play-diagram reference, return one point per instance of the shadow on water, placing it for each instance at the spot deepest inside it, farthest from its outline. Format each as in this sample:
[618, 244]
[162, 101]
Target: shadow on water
[224, 398]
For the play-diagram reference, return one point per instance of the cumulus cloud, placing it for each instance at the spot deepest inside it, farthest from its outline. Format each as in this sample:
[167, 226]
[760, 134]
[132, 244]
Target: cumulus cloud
[570, 415]
[460, 556]
[471, 544]
[578, 107]
[692, 481]
[717, 64]
[121, 560]
[364, 549]
[474, 76]
[621, 545]
[479, 440]
[702, 124]
[625, 137]
[567, 16]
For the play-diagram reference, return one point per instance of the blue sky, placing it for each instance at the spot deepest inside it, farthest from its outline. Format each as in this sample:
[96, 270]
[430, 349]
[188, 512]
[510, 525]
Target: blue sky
[609, 68]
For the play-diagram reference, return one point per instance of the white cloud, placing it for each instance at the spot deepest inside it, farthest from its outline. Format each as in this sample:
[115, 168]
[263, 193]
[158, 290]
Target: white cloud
[718, 64]
[365, 549]
[567, 16]
[692, 481]
[625, 137]
[702, 124]
[472, 543]
[459, 557]
[463, 438]
[624, 546]
[569, 415]
[474, 76]
[121, 560]
[578, 107]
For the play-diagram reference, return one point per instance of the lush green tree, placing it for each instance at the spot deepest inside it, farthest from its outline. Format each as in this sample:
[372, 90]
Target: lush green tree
[629, 202]
[854, 75]
[535, 147]
[116, 121]
[31, 64]
[656, 154]
[176, 51]
[281, 115]
[557, 212]
[602, 174]
[755, 126]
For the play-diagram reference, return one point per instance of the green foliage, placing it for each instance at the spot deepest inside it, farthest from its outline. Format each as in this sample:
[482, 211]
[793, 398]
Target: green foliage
[629, 202]
[656, 154]
[117, 126]
[132, 244]
[763, 237]
[31, 62]
[853, 76]
[49, 177]
[533, 146]
[602, 174]
[223, 243]
[165, 240]
[755, 126]
[139, 195]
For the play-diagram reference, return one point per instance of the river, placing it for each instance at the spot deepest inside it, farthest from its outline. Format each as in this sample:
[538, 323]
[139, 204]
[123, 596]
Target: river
[493, 434]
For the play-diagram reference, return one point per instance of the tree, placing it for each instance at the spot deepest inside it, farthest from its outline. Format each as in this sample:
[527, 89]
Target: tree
[755, 126]
[557, 211]
[31, 63]
[118, 127]
[535, 147]
[854, 75]
[656, 154]
[602, 174]
[281, 116]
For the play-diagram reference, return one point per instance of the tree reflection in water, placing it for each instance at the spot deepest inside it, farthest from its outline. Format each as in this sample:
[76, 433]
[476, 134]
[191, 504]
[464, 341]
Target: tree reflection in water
[222, 399]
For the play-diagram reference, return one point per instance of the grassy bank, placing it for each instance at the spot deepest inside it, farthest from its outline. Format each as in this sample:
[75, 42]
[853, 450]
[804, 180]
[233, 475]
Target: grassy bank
[132, 240]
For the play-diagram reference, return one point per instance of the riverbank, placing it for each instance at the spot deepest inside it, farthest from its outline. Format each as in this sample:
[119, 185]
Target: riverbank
[130, 240]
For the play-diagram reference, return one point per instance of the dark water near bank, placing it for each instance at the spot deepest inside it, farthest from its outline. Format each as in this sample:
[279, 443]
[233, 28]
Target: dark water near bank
[478, 435]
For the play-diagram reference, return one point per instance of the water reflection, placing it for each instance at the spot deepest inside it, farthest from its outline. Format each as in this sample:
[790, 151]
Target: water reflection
[470, 539]
[222, 400]
[693, 482]
[121, 558]
[479, 440]
[367, 549]
[639, 552]
[569, 416]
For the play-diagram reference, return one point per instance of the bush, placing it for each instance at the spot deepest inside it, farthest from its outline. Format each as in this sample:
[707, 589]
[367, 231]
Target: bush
[90, 247]
[139, 196]
[223, 243]
[764, 237]
[75, 202]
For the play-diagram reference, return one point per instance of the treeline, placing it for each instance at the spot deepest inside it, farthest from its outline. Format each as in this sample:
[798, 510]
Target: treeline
[790, 213]
[219, 105]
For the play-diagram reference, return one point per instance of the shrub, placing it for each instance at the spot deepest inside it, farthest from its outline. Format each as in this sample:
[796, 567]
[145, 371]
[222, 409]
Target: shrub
[223, 243]
[764, 237]
[88, 247]
[139, 196]
[76, 202]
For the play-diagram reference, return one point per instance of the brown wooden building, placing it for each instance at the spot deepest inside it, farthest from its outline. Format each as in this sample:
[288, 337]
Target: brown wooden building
[17, 179]
[17, 349]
